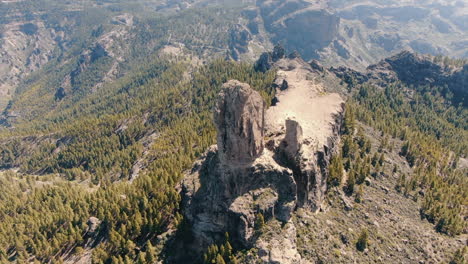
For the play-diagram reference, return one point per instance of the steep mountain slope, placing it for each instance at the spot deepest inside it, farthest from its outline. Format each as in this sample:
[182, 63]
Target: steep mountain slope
[359, 33]
[118, 34]
[159, 123]
[150, 139]
[415, 70]
[244, 176]
[107, 104]
[73, 49]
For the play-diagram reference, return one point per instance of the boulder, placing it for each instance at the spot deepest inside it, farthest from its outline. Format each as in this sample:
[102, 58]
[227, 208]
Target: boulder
[93, 224]
[268, 59]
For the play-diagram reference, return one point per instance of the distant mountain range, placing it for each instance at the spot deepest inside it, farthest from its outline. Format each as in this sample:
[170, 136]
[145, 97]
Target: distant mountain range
[99, 40]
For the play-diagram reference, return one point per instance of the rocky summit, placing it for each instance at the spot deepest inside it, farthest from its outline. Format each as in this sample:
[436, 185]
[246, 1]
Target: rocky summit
[239, 180]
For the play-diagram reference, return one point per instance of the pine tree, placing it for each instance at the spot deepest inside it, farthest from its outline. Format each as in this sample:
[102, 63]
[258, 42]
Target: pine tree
[142, 258]
[335, 171]
[351, 182]
[349, 121]
[151, 256]
[363, 240]
[359, 194]
[375, 159]
[219, 260]
[381, 159]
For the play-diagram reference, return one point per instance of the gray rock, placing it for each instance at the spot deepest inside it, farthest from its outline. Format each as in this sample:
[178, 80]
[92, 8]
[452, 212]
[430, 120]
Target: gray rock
[267, 59]
[284, 85]
[236, 180]
[279, 246]
[239, 120]
[316, 65]
[344, 238]
[385, 189]
[308, 164]
[93, 224]
[293, 139]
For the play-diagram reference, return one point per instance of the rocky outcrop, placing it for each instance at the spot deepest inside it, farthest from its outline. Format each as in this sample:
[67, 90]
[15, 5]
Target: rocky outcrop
[239, 120]
[93, 224]
[304, 127]
[268, 59]
[309, 164]
[416, 70]
[93, 234]
[242, 177]
[413, 70]
[293, 139]
[238, 179]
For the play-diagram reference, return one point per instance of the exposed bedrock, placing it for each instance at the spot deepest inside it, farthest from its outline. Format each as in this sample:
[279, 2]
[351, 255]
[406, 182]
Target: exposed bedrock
[242, 176]
[239, 119]
[237, 179]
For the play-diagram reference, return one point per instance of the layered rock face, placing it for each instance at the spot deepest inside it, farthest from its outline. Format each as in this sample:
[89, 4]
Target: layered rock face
[304, 124]
[301, 25]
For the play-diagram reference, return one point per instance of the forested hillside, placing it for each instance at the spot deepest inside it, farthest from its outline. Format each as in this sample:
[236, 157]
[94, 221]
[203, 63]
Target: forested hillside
[106, 105]
[103, 145]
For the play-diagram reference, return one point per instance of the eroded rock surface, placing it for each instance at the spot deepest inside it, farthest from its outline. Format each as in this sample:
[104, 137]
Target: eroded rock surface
[413, 70]
[305, 124]
[240, 178]
[239, 120]
[237, 179]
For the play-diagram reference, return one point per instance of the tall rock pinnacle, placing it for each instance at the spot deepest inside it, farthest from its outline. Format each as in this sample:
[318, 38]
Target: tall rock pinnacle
[239, 120]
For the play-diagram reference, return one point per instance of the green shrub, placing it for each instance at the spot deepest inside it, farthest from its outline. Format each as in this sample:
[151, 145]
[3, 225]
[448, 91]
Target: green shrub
[363, 240]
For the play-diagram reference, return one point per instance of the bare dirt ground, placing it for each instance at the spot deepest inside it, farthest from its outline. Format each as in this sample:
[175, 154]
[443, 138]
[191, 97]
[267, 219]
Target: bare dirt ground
[306, 102]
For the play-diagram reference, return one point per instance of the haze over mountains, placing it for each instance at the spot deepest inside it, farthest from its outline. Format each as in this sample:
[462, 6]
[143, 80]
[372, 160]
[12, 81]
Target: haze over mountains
[111, 34]
[222, 131]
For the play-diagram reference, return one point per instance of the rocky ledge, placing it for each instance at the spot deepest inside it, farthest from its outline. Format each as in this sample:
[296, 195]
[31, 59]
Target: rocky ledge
[266, 162]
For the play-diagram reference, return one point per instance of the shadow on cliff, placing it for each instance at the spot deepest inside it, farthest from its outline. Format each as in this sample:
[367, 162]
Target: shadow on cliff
[229, 199]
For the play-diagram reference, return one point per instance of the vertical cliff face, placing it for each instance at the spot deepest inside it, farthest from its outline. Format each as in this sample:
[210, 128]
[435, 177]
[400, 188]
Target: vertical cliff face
[237, 179]
[305, 124]
[239, 119]
[242, 176]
